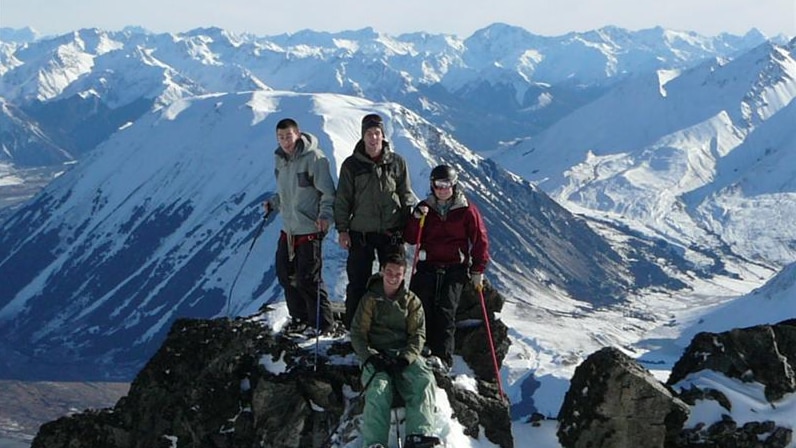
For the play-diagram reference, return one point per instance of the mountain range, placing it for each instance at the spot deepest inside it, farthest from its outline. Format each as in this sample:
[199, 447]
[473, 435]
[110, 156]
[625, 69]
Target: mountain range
[632, 183]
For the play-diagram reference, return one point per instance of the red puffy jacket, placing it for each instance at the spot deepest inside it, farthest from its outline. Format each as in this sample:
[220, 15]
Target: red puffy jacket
[456, 237]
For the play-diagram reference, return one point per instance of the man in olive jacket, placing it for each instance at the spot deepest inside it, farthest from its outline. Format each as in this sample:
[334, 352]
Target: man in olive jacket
[373, 202]
[305, 198]
[388, 332]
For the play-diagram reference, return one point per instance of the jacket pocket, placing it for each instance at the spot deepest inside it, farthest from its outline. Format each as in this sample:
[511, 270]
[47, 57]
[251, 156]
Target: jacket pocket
[304, 179]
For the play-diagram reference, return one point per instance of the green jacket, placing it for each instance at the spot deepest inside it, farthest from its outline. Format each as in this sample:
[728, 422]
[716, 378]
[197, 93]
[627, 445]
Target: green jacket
[373, 196]
[396, 326]
[304, 185]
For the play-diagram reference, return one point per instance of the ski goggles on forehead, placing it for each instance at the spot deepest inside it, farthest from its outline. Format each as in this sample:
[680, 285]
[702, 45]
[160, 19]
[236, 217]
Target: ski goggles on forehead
[443, 184]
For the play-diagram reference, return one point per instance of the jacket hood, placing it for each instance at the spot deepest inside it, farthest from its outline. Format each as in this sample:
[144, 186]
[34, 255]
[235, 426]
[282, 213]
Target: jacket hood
[306, 143]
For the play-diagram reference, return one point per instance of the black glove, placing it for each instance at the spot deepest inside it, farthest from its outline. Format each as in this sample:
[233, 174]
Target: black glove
[379, 361]
[397, 365]
[396, 238]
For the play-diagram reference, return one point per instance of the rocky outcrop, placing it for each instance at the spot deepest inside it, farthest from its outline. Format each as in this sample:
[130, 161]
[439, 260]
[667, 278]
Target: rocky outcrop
[222, 383]
[765, 353]
[614, 402]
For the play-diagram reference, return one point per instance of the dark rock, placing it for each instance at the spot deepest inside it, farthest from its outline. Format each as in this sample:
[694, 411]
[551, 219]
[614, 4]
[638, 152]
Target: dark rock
[726, 434]
[485, 409]
[765, 353]
[207, 386]
[535, 419]
[614, 402]
[693, 393]
[471, 336]
[780, 437]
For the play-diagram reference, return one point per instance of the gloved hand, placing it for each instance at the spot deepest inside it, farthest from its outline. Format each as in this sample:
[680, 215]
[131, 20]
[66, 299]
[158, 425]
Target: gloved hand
[268, 207]
[397, 365]
[478, 280]
[379, 361]
[420, 211]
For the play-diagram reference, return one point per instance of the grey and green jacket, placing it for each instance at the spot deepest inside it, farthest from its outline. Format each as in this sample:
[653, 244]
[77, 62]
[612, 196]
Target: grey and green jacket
[304, 185]
[373, 196]
[396, 326]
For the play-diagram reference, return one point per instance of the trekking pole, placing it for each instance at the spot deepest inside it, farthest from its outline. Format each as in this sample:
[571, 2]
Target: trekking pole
[251, 246]
[326, 442]
[417, 246]
[397, 426]
[491, 342]
[318, 300]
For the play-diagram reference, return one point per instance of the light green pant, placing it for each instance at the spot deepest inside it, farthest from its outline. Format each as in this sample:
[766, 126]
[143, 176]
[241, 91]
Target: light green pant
[415, 384]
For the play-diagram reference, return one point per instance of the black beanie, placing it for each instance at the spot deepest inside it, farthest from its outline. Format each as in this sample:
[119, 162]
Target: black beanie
[372, 121]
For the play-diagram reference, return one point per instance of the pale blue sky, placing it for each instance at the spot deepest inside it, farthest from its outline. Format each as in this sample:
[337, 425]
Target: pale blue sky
[459, 17]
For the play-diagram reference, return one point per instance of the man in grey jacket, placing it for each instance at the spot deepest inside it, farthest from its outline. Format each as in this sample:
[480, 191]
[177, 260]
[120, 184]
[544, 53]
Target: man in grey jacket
[305, 198]
[374, 199]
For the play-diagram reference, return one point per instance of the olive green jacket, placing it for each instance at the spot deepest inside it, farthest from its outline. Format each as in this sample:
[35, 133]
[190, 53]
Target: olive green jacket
[373, 196]
[396, 326]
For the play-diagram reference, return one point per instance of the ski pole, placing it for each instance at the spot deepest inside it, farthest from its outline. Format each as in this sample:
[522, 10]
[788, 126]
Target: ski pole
[491, 342]
[251, 246]
[318, 299]
[397, 426]
[417, 245]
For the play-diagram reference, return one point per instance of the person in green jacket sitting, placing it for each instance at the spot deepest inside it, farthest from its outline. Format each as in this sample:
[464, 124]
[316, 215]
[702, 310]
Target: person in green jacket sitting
[388, 332]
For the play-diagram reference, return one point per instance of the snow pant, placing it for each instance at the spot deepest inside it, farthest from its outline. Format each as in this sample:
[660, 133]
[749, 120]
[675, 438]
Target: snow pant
[416, 386]
[299, 273]
[440, 290]
[359, 265]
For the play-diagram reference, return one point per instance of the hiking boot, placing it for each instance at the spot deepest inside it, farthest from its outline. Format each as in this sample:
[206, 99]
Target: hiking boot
[295, 326]
[438, 365]
[310, 332]
[335, 330]
[421, 441]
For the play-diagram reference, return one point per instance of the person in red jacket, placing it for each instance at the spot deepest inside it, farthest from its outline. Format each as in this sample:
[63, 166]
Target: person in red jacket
[454, 249]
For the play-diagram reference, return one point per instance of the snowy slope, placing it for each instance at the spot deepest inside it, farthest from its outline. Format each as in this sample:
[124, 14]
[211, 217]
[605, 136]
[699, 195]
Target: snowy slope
[696, 157]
